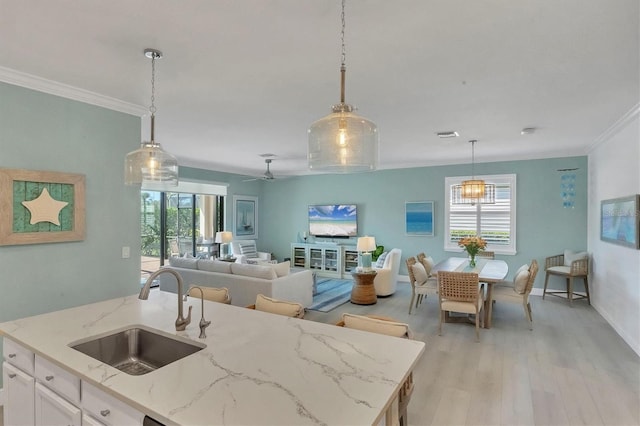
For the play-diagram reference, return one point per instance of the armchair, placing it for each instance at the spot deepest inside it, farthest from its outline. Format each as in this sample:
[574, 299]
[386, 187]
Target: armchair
[569, 265]
[386, 279]
[246, 249]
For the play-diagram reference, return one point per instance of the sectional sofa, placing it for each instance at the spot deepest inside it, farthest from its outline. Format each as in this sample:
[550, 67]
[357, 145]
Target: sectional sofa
[244, 281]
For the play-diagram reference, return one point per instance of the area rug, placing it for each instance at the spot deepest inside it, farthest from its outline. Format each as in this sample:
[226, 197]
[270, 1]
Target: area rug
[331, 294]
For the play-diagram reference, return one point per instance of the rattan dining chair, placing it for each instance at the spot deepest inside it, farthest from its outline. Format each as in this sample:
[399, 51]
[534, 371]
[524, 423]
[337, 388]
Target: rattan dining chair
[460, 292]
[518, 291]
[279, 307]
[422, 283]
[569, 265]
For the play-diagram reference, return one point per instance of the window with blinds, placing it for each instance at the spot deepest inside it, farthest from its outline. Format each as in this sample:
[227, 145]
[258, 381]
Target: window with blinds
[495, 223]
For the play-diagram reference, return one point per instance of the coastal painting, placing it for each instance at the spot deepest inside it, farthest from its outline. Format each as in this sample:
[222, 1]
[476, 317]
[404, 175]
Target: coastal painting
[333, 220]
[620, 221]
[245, 216]
[419, 218]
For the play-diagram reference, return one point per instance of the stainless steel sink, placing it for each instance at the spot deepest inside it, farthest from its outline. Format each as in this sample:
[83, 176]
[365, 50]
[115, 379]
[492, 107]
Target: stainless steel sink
[137, 350]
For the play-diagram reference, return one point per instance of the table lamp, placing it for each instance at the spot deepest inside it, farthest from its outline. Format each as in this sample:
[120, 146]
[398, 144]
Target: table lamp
[224, 238]
[365, 246]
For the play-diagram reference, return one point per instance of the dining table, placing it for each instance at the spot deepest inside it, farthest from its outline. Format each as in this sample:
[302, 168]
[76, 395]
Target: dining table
[490, 271]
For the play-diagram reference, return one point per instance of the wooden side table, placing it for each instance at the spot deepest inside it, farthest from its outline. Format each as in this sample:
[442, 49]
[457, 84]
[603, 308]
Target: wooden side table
[363, 291]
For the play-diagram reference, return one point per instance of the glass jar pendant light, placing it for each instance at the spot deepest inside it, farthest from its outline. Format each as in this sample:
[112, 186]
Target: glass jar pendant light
[150, 163]
[343, 142]
[473, 191]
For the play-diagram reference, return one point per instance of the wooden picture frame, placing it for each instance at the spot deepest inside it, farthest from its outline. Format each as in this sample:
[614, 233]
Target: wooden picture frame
[41, 207]
[245, 217]
[620, 221]
[419, 218]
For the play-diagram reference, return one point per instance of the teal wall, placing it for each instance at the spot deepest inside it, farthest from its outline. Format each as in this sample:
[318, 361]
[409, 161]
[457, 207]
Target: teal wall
[544, 227]
[45, 132]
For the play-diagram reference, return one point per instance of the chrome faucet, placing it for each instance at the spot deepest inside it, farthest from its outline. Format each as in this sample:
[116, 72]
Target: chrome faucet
[203, 324]
[181, 322]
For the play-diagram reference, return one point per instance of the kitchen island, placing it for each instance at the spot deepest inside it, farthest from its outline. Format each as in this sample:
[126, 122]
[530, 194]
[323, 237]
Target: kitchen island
[257, 368]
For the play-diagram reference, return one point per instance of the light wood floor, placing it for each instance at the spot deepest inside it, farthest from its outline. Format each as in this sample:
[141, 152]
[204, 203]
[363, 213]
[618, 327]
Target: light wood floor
[572, 369]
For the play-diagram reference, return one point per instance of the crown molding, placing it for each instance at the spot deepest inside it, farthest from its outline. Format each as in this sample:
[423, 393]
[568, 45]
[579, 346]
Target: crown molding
[29, 81]
[620, 124]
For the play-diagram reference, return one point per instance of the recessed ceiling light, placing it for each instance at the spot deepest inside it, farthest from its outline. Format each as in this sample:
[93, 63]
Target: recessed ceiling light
[528, 131]
[267, 155]
[445, 135]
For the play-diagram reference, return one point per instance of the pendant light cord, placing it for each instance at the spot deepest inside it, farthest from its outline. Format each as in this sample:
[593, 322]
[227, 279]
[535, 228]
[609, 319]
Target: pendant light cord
[473, 158]
[152, 107]
[343, 58]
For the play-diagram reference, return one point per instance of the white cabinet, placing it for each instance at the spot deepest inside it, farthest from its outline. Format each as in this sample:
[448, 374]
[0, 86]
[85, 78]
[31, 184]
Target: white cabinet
[90, 421]
[19, 397]
[53, 410]
[326, 260]
[349, 261]
[108, 409]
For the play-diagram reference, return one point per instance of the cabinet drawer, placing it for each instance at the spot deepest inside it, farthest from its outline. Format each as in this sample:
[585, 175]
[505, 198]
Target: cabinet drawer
[18, 355]
[52, 410]
[57, 379]
[107, 408]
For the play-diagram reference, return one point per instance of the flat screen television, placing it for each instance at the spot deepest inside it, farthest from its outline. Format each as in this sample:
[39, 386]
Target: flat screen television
[333, 220]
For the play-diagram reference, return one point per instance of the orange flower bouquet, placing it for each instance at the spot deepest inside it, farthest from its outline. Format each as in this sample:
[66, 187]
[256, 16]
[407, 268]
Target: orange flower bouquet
[472, 245]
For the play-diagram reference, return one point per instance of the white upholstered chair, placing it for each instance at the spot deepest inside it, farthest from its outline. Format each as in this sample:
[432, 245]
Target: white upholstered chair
[246, 249]
[422, 283]
[460, 292]
[386, 279]
[518, 291]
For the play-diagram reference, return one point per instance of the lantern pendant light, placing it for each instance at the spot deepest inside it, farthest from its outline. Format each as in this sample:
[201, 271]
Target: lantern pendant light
[473, 191]
[150, 163]
[343, 142]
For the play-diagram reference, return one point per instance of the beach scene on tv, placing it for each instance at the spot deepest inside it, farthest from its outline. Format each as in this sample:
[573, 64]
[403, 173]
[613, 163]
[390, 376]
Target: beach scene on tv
[333, 220]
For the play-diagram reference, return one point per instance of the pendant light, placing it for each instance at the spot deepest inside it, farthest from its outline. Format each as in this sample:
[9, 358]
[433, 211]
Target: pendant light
[343, 142]
[473, 191]
[150, 163]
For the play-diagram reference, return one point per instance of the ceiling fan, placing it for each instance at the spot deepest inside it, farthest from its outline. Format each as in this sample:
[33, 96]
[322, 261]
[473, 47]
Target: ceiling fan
[267, 174]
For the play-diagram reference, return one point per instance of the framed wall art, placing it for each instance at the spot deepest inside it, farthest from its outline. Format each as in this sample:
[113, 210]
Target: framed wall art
[41, 207]
[418, 218]
[620, 221]
[245, 217]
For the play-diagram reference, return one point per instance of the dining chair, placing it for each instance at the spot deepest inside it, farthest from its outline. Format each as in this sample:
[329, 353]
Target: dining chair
[518, 291]
[460, 292]
[569, 265]
[279, 307]
[389, 327]
[220, 295]
[422, 283]
[486, 254]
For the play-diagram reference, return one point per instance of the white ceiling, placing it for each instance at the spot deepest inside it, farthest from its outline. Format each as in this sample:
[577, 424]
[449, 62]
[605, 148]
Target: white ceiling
[242, 78]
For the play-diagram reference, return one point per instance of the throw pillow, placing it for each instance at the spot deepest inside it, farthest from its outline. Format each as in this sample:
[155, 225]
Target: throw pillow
[255, 271]
[374, 325]
[381, 258]
[183, 262]
[419, 273]
[214, 266]
[428, 263]
[280, 307]
[520, 269]
[282, 269]
[249, 250]
[570, 256]
[520, 281]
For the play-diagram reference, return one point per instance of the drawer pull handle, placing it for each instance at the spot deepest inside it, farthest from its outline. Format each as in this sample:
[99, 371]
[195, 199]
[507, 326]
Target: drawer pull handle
[48, 378]
[104, 413]
[12, 375]
[12, 355]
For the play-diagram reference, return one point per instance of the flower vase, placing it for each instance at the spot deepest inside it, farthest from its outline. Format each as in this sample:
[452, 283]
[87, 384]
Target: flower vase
[472, 261]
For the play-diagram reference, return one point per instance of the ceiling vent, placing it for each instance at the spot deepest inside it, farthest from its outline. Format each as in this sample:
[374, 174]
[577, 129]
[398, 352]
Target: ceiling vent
[446, 135]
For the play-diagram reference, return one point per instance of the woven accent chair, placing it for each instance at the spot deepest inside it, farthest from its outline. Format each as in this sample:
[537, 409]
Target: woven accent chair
[389, 327]
[566, 266]
[514, 294]
[220, 295]
[279, 307]
[486, 254]
[460, 292]
[422, 283]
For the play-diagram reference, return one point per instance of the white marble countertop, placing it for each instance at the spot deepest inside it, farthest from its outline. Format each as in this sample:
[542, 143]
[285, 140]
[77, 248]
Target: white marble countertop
[257, 368]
